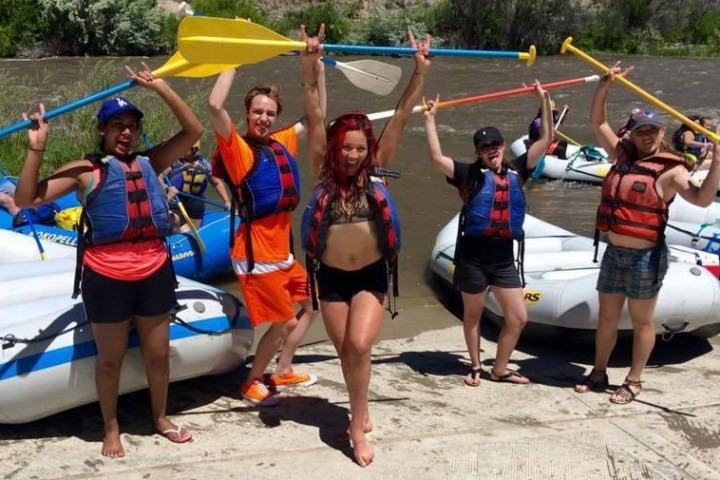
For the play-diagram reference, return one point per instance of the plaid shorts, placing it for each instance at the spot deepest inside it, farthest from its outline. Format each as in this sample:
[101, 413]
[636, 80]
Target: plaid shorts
[635, 272]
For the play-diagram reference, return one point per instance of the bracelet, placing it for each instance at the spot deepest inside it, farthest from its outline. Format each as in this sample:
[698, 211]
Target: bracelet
[311, 86]
[36, 149]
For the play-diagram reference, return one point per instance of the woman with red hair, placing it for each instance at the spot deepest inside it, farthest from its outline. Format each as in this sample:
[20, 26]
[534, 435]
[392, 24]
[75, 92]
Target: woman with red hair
[350, 228]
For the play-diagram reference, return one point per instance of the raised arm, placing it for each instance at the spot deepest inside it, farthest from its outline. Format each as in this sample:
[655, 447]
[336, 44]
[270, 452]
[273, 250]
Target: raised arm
[222, 123]
[319, 67]
[30, 192]
[702, 195]
[441, 162]
[539, 147]
[312, 79]
[390, 137]
[604, 133]
[164, 154]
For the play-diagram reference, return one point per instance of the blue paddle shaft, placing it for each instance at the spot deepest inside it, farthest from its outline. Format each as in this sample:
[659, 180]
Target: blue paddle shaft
[448, 52]
[68, 107]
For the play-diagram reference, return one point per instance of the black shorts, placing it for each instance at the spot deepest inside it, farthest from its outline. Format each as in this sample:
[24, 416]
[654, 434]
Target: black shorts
[108, 300]
[336, 285]
[476, 277]
[195, 208]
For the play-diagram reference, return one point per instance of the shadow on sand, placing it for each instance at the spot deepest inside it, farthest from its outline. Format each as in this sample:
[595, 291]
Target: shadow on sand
[558, 351]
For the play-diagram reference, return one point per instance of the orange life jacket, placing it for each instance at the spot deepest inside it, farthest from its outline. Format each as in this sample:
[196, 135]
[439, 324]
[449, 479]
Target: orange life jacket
[630, 205]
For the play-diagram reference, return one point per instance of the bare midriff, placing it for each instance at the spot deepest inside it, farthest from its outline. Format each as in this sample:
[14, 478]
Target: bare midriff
[626, 241]
[351, 246]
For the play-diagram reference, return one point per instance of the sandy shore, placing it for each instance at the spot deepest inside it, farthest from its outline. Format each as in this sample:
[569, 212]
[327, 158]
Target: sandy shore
[428, 424]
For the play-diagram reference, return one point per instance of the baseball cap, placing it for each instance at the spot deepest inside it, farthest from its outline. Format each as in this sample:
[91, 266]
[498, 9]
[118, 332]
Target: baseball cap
[487, 135]
[645, 117]
[116, 106]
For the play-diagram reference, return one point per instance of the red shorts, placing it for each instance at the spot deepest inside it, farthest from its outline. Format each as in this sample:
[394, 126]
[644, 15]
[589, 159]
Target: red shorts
[271, 296]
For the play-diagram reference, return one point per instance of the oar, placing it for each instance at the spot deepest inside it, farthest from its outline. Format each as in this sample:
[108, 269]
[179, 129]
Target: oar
[370, 75]
[566, 138]
[491, 96]
[377, 77]
[540, 166]
[567, 45]
[183, 212]
[223, 40]
[176, 66]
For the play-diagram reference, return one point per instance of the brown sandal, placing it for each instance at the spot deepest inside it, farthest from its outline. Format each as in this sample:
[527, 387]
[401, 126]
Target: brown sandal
[473, 378]
[625, 394]
[589, 383]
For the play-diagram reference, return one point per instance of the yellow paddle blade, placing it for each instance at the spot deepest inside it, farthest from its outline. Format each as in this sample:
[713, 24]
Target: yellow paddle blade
[211, 40]
[178, 66]
[568, 46]
[193, 229]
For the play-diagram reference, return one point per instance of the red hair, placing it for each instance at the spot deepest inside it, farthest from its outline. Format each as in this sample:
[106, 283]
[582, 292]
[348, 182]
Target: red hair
[334, 175]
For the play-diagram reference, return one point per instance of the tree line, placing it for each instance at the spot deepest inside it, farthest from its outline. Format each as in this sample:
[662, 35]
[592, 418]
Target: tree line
[36, 28]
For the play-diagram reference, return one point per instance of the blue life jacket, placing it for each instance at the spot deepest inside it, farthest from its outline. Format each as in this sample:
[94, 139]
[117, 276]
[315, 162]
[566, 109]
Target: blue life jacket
[128, 204]
[496, 206]
[190, 177]
[40, 215]
[273, 183]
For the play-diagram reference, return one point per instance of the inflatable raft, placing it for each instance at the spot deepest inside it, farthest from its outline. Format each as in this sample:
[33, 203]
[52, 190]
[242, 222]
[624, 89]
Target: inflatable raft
[585, 163]
[188, 258]
[561, 278]
[48, 355]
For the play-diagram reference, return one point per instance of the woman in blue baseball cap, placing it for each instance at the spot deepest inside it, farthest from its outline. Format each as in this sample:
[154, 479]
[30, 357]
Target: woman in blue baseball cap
[123, 251]
[636, 194]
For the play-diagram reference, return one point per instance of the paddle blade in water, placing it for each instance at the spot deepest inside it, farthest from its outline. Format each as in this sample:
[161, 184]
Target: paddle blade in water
[204, 40]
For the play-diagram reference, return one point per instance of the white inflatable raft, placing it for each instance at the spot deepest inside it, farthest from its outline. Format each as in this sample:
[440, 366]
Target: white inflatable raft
[48, 355]
[695, 227]
[580, 166]
[561, 278]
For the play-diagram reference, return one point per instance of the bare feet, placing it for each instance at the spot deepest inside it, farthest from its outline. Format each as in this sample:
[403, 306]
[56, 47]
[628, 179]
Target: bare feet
[364, 453]
[112, 446]
[343, 437]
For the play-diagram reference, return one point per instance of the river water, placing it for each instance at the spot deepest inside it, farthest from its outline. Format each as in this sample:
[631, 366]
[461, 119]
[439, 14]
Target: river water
[425, 201]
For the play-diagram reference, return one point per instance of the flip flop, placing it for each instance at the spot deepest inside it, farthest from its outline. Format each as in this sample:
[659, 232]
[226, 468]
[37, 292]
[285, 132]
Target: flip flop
[175, 435]
[509, 377]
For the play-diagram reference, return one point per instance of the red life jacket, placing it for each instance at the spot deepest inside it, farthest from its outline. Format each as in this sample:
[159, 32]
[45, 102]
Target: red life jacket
[630, 205]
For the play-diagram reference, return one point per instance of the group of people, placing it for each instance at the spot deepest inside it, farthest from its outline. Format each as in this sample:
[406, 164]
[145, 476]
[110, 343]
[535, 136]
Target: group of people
[350, 232]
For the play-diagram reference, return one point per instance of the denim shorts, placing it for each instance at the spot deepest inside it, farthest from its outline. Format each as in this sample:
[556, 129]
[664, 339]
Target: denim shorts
[635, 272]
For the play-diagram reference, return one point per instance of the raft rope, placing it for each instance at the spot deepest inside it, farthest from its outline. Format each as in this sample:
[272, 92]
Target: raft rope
[10, 340]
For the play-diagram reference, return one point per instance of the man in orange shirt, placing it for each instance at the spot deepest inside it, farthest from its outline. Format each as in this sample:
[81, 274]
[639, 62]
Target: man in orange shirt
[261, 169]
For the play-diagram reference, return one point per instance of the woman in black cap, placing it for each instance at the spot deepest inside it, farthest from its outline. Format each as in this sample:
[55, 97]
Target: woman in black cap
[127, 275]
[633, 210]
[491, 218]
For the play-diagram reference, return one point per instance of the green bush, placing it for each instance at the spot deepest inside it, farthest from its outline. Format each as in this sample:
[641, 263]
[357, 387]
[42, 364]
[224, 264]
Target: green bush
[385, 27]
[20, 25]
[336, 19]
[231, 9]
[105, 27]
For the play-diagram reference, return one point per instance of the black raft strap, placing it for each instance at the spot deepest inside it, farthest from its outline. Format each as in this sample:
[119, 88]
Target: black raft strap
[596, 244]
[311, 268]
[79, 254]
[393, 279]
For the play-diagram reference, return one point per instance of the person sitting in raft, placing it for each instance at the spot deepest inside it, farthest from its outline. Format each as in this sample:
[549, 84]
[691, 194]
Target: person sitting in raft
[633, 211]
[351, 229]
[558, 147]
[40, 215]
[189, 178]
[491, 219]
[127, 275]
[695, 146]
